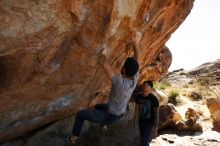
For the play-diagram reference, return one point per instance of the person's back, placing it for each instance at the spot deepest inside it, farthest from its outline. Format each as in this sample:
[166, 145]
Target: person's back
[120, 93]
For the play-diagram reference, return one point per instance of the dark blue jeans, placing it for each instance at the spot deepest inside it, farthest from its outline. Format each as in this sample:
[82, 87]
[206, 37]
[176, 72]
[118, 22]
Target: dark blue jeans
[98, 115]
[145, 132]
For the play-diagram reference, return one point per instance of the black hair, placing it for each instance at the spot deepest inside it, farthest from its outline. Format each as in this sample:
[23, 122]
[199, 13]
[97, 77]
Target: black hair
[131, 67]
[149, 82]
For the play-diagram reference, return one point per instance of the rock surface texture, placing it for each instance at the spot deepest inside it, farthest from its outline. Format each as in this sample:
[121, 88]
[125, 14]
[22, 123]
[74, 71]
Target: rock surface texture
[214, 107]
[48, 53]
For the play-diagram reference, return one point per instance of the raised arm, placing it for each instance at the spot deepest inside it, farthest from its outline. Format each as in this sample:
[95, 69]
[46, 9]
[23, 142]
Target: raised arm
[136, 53]
[136, 38]
[133, 46]
[106, 66]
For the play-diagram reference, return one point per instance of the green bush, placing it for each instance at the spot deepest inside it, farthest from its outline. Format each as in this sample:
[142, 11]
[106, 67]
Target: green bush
[173, 97]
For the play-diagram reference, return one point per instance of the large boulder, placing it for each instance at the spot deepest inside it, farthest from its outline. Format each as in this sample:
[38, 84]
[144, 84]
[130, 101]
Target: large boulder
[214, 108]
[168, 116]
[48, 53]
[191, 123]
[161, 96]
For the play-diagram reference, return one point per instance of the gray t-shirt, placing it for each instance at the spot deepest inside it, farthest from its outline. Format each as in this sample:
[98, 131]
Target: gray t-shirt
[120, 93]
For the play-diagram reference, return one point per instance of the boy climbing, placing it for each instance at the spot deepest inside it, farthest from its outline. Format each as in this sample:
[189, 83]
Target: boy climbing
[148, 111]
[121, 89]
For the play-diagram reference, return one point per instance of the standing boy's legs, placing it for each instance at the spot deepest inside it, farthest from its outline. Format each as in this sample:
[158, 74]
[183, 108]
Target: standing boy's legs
[145, 132]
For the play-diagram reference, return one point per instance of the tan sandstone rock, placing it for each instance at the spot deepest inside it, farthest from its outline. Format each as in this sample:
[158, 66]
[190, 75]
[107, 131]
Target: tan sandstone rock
[161, 96]
[48, 53]
[191, 123]
[214, 108]
[168, 116]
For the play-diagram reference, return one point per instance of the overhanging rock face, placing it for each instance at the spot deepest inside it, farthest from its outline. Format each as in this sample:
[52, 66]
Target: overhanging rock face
[48, 53]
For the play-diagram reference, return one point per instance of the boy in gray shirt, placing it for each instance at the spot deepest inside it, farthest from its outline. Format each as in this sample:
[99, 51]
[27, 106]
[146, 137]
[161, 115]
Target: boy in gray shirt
[122, 87]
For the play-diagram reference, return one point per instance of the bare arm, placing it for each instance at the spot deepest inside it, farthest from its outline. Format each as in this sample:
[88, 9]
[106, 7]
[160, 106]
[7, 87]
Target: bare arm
[136, 40]
[133, 46]
[107, 67]
[136, 53]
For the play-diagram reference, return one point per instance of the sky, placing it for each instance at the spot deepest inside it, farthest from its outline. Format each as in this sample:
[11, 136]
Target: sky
[197, 40]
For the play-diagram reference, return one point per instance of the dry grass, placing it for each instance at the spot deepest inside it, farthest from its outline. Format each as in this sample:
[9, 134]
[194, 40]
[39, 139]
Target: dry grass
[185, 86]
[162, 85]
[203, 81]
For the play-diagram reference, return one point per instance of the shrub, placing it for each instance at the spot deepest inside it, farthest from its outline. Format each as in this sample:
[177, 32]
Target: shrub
[203, 81]
[183, 73]
[173, 97]
[164, 85]
[185, 86]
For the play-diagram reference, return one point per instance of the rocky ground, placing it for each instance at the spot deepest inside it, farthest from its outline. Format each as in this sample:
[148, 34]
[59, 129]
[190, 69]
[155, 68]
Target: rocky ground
[208, 137]
[195, 88]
